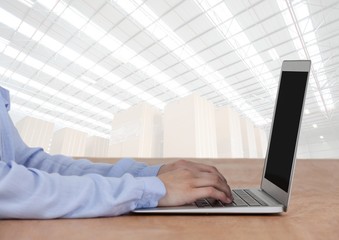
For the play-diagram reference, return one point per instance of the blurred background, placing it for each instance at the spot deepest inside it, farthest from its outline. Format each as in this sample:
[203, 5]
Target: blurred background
[156, 78]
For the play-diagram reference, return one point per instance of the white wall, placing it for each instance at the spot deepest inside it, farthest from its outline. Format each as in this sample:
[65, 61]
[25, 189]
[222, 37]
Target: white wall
[96, 146]
[261, 142]
[35, 132]
[193, 128]
[319, 150]
[134, 132]
[68, 142]
[229, 138]
[127, 134]
[190, 128]
[312, 146]
[248, 138]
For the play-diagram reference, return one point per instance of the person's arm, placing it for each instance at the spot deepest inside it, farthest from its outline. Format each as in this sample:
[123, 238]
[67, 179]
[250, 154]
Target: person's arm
[32, 194]
[37, 158]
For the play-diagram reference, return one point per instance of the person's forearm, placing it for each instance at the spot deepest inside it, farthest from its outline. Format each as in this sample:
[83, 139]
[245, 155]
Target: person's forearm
[36, 158]
[30, 193]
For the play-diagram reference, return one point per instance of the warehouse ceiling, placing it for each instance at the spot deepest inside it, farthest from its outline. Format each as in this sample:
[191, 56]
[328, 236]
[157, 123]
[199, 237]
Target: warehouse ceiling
[78, 63]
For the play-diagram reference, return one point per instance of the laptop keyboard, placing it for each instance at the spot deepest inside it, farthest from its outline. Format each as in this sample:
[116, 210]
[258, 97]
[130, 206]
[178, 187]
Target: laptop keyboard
[241, 198]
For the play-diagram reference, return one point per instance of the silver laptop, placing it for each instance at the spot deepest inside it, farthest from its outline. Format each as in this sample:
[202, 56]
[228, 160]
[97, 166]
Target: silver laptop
[275, 190]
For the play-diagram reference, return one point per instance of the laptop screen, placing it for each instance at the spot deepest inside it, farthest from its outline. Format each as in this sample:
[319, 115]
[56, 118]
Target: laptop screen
[285, 128]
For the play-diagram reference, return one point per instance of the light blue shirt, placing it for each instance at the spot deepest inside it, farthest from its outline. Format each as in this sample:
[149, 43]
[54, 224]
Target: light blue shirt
[34, 184]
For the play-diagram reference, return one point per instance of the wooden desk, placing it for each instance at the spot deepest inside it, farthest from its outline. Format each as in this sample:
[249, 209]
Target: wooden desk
[308, 217]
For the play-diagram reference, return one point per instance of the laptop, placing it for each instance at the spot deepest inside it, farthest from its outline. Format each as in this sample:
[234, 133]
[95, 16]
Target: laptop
[275, 190]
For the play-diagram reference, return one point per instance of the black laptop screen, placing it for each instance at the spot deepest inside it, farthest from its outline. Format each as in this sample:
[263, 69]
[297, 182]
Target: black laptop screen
[285, 128]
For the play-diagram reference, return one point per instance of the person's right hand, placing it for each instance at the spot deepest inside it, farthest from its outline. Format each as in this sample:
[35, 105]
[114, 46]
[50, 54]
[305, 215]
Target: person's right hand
[184, 186]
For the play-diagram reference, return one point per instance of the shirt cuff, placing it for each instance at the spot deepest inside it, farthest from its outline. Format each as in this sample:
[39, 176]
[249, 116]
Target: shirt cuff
[150, 171]
[154, 190]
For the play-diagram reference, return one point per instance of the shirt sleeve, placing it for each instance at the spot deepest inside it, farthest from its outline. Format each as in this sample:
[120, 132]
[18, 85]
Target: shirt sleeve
[36, 185]
[37, 158]
[34, 194]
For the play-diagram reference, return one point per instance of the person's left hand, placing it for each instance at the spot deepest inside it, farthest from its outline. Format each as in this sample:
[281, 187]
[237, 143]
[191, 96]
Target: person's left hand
[196, 176]
[184, 164]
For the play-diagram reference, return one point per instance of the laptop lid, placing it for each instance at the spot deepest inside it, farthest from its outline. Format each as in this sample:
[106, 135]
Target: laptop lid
[280, 156]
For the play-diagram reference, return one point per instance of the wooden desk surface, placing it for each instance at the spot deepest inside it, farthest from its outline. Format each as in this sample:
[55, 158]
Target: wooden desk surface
[308, 217]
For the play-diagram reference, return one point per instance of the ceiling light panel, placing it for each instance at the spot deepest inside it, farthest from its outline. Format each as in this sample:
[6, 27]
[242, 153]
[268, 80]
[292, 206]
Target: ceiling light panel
[67, 99]
[111, 48]
[124, 53]
[63, 113]
[301, 12]
[65, 51]
[172, 41]
[62, 97]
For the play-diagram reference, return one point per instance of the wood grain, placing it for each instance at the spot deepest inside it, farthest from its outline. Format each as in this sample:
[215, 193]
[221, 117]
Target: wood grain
[313, 212]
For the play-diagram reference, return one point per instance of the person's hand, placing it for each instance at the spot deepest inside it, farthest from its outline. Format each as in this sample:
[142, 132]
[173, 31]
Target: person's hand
[187, 182]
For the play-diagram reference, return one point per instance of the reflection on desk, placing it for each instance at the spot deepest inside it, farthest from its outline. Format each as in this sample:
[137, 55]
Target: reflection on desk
[310, 215]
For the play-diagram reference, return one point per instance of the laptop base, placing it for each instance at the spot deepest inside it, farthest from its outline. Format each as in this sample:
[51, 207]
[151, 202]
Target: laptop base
[272, 206]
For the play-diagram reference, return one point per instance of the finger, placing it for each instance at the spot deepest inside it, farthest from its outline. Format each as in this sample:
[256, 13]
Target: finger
[204, 167]
[208, 179]
[210, 192]
[194, 165]
[211, 169]
[200, 167]
[207, 168]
